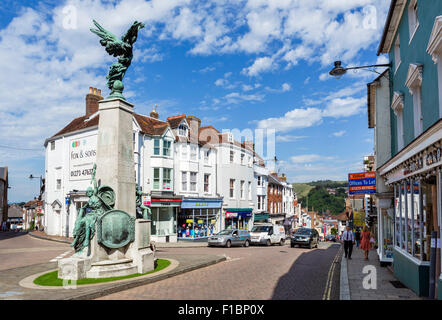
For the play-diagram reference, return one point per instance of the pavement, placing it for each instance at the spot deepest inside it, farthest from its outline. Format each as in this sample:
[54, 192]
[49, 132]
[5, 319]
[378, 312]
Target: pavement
[22, 256]
[367, 280]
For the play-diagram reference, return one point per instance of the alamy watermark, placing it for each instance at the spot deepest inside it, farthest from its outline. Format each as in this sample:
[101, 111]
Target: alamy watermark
[369, 282]
[70, 21]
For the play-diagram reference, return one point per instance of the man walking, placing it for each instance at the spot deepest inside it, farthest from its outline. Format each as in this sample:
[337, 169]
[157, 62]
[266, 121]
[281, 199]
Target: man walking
[348, 239]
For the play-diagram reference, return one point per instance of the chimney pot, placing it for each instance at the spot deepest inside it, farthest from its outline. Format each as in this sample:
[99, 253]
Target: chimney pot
[95, 91]
[99, 92]
[90, 89]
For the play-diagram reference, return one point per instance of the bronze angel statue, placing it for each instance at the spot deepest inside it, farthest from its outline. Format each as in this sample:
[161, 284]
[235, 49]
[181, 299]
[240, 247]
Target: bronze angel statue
[121, 48]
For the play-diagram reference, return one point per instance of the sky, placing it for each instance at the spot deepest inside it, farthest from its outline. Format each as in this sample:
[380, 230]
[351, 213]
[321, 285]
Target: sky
[245, 65]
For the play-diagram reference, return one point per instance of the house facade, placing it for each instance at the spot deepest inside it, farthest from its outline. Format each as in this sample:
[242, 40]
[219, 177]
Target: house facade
[410, 175]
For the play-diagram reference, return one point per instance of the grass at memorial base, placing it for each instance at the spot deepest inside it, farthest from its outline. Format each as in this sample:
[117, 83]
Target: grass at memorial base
[51, 278]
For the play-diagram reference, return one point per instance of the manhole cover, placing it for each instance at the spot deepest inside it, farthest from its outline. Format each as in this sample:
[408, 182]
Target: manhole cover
[283, 251]
[397, 284]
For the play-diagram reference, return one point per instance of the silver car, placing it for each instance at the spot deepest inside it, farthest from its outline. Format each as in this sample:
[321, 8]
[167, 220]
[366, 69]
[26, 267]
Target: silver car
[230, 237]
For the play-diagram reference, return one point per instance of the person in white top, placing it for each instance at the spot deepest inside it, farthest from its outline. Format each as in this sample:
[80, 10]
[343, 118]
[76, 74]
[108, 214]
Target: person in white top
[348, 239]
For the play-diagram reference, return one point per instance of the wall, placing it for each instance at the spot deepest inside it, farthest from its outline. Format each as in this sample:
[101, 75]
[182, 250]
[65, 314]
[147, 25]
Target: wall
[415, 52]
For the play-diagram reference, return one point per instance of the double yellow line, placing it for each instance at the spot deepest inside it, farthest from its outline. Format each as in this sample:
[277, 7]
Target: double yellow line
[331, 272]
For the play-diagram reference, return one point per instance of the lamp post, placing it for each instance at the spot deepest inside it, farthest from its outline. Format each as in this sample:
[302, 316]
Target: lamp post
[338, 71]
[41, 182]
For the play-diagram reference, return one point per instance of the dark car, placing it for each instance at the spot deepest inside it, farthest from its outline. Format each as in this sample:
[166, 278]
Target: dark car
[305, 237]
[330, 237]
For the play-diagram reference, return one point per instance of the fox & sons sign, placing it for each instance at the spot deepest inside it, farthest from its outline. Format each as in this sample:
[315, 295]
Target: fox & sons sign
[82, 155]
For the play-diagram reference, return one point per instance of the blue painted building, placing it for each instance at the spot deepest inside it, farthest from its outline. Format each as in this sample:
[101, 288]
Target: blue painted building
[411, 171]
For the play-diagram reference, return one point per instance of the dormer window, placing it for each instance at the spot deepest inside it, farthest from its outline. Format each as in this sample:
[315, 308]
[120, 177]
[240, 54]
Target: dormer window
[182, 130]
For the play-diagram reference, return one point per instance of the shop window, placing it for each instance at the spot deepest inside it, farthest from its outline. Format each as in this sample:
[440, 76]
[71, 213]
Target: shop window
[184, 181]
[156, 147]
[166, 148]
[156, 178]
[206, 183]
[193, 176]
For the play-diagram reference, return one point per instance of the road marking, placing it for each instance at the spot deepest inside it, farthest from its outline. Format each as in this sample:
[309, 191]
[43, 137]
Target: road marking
[61, 256]
[10, 294]
[331, 271]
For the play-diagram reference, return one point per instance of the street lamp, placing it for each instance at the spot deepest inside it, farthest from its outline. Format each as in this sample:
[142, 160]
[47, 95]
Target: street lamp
[41, 181]
[338, 71]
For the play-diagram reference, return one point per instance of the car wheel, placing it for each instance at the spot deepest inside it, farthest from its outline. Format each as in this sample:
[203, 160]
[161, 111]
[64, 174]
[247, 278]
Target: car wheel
[268, 243]
[228, 244]
[246, 244]
[282, 242]
[310, 245]
[292, 245]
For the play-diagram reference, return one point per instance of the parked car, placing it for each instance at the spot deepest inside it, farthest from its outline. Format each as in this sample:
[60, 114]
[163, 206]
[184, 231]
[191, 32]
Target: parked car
[230, 237]
[330, 237]
[305, 237]
[268, 234]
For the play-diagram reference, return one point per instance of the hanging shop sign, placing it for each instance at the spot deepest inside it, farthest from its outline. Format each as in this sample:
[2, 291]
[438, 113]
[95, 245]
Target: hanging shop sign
[146, 200]
[362, 183]
[82, 156]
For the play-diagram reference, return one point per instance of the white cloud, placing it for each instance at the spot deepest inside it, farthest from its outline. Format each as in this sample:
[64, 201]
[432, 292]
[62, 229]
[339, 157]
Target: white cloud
[306, 158]
[339, 133]
[260, 65]
[344, 107]
[294, 119]
[288, 138]
[286, 87]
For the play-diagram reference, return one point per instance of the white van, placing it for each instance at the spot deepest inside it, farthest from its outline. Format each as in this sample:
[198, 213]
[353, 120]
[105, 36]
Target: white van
[268, 234]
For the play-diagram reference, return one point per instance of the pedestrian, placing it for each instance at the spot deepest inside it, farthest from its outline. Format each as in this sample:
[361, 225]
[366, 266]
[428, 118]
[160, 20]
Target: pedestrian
[358, 237]
[348, 239]
[365, 243]
[4, 226]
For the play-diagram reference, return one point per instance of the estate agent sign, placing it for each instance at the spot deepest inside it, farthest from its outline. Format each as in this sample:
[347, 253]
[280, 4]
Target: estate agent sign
[82, 155]
[362, 183]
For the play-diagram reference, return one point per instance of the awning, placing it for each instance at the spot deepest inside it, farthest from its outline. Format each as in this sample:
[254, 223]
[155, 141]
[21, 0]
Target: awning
[261, 217]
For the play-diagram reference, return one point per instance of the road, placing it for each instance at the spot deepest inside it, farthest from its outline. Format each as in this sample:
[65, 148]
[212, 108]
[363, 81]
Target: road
[18, 249]
[276, 272]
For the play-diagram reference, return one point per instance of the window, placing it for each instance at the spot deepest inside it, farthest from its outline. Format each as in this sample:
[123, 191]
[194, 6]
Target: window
[166, 148]
[250, 190]
[184, 151]
[249, 161]
[52, 145]
[206, 183]
[182, 130]
[58, 184]
[414, 84]
[397, 53]
[156, 147]
[193, 152]
[167, 179]
[230, 137]
[413, 22]
[259, 181]
[242, 158]
[232, 188]
[206, 156]
[242, 189]
[156, 178]
[193, 181]
[184, 181]
[259, 202]
[232, 154]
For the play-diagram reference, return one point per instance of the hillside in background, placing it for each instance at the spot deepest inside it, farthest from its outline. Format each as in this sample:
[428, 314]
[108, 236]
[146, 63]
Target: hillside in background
[319, 199]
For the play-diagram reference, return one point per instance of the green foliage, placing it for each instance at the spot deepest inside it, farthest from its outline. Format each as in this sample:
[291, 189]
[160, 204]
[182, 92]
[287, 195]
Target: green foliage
[302, 189]
[32, 225]
[320, 200]
[334, 231]
[51, 278]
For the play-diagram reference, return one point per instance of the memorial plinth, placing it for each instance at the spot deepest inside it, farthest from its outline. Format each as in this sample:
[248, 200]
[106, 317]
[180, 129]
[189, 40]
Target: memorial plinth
[121, 244]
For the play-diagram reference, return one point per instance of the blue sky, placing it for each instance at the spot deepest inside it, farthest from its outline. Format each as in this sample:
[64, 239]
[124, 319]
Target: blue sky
[234, 64]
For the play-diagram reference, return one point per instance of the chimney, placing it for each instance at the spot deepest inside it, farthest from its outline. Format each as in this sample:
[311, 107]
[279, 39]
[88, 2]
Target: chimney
[193, 119]
[283, 177]
[154, 114]
[92, 99]
[194, 124]
[249, 145]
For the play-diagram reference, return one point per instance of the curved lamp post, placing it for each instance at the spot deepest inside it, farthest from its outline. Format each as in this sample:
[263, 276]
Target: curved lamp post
[338, 71]
[41, 181]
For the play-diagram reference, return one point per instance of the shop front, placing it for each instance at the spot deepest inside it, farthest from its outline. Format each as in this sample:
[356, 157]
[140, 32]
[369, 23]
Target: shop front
[164, 218]
[199, 218]
[416, 184]
[238, 218]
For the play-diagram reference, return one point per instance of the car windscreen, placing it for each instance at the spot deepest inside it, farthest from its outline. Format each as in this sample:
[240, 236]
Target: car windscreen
[261, 228]
[225, 232]
[303, 231]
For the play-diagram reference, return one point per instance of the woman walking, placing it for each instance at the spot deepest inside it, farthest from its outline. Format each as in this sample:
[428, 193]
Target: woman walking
[365, 241]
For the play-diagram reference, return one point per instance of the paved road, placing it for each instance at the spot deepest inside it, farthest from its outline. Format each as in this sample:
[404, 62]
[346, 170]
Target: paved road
[249, 273]
[18, 249]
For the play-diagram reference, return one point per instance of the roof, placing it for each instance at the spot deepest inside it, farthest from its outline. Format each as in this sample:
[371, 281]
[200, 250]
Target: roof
[393, 18]
[33, 203]
[151, 125]
[371, 98]
[274, 180]
[175, 121]
[15, 211]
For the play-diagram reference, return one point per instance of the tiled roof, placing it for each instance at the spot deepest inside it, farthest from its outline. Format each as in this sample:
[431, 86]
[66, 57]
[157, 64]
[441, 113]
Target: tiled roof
[78, 124]
[175, 121]
[33, 203]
